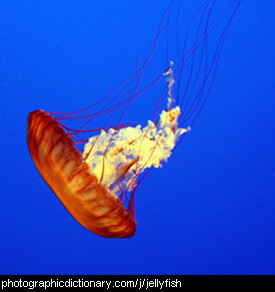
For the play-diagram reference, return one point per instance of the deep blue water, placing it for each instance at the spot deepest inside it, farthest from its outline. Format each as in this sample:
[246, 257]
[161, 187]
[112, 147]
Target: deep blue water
[209, 210]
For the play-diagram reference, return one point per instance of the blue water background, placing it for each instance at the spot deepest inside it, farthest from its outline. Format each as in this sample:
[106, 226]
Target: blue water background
[209, 210]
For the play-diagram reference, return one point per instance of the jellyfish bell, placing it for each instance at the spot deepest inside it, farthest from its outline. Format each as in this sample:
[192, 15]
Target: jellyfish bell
[98, 185]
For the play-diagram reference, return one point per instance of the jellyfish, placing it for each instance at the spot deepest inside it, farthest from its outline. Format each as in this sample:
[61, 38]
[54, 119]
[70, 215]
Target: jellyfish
[98, 185]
